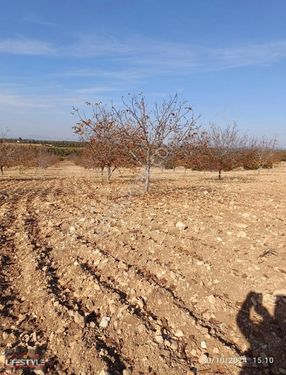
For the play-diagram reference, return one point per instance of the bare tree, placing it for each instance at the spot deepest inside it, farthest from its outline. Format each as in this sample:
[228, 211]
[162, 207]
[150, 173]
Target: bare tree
[7, 154]
[149, 132]
[261, 154]
[193, 155]
[29, 156]
[225, 148]
[103, 137]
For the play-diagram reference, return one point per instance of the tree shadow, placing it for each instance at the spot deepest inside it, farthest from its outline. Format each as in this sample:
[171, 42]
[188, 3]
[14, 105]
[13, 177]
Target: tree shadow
[266, 335]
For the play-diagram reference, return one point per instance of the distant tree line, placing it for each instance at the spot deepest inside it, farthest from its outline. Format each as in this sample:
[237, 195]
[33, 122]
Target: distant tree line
[47, 143]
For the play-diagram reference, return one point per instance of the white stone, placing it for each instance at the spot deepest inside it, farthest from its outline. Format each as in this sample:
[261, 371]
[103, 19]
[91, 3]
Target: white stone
[179, 333]
[181, 226]
[203, 345]
[104, 322]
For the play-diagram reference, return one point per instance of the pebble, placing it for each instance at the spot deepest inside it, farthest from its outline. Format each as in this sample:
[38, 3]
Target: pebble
[203, 345]
[78, 318]
[194, 352]
[179, 333]
[181, 226]
[159, 339]
[103, 372]
[241, 234]
[104, 323]
[242, 226]
[211, 299]
[203, 359]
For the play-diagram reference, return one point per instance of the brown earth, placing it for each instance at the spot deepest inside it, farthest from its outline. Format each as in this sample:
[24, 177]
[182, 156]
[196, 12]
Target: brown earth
[106, 280]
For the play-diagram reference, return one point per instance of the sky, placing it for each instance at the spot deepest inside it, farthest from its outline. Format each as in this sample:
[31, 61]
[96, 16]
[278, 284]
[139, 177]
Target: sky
[226, 58]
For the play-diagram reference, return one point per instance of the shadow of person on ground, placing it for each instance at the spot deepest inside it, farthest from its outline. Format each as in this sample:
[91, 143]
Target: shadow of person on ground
[266, 335]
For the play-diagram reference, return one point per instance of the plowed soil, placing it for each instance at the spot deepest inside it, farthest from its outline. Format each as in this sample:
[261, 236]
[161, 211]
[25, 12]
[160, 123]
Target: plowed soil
[105, 281]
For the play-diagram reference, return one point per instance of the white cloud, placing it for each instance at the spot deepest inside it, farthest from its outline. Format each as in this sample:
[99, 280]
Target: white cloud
[139, 57]
[36, 20]
[25, 46]
[17, 101]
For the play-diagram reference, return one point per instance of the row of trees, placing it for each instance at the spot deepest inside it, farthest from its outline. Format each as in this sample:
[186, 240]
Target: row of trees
[24, 156]
[168, 135]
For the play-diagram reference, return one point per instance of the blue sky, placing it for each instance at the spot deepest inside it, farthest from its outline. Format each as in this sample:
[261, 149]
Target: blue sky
[228, 58]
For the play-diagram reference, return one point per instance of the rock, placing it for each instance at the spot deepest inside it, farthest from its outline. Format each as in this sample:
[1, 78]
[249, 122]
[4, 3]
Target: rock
[2, 359]
[203, 345]
[159, 339]
[241, 226]
[215, 351]
[126, 372]
[104, 323]
[174, 345]
[39, 372]
[181, 226]
[179, 333]
[78, 319]
[194, 353]
[211, 299]
[241, 234]
[103, 372]
[203, 359]
[21, 318]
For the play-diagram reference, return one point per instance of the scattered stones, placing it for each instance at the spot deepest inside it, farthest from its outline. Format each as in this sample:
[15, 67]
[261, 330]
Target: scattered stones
[174, 267]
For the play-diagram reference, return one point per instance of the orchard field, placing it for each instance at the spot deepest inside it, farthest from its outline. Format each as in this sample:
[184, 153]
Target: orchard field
[106, 280]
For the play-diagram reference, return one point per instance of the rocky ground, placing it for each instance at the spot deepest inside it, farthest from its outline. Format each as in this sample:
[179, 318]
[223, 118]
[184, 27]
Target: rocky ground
[105, 280]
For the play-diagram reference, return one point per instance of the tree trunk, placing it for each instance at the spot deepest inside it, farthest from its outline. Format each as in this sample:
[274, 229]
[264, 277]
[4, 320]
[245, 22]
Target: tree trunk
[2, 170]
[102, 169]
[147, 177]
[108, 173]
[219, 174]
